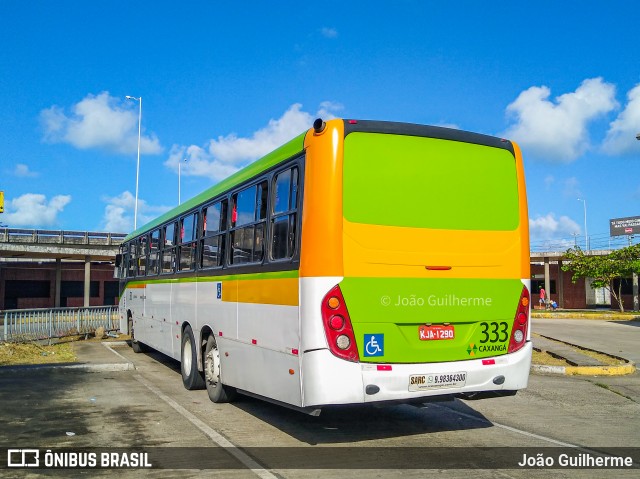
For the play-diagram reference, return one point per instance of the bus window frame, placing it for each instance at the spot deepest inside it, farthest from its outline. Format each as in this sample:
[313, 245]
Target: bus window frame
[132, 269]
[142, 243]
[292, 211]
[220, 233]
[264, 222]
[171, 249]
[157, 252]
[182, 243]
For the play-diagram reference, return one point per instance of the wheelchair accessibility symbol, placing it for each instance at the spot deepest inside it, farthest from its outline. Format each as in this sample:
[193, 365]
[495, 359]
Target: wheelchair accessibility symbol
[373, 345]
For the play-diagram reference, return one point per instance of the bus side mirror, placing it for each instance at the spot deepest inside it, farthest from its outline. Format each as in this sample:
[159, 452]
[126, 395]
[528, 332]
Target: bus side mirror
[116, 269]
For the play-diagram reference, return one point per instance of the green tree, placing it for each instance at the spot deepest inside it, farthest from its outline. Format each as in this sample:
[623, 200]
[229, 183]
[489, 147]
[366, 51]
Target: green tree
[604, 269]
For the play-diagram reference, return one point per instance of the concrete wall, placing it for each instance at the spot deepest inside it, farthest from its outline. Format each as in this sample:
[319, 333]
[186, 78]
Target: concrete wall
[575, 296]
[46, 271]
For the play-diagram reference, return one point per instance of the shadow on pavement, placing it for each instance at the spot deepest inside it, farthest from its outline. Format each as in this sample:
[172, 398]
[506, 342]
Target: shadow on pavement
[356, 423]
[633, 323]
[353, 423]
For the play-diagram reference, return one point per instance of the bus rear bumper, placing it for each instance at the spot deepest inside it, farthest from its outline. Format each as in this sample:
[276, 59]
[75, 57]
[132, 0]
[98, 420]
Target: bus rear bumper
[371, 382]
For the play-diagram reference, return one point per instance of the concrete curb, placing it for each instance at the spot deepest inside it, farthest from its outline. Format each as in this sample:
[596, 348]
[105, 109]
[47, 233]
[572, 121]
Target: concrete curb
[87, 367]
[579, 315]
[586, 370]
[603, 370]
[91, 368]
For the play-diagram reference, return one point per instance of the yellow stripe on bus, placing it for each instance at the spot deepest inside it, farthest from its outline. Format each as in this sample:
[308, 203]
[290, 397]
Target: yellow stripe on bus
[281, 291]
[397, 252]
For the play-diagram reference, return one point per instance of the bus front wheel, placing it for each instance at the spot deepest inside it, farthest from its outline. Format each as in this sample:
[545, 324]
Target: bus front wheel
[218, 392]
[191, 377]
[137, 346]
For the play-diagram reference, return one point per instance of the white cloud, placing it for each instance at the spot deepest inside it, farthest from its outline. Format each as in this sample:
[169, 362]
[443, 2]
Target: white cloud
[572, 188]
[557, 131]
[118, 214]
[22, 171]
[329, 32]
[98, 121]
[621, 137]
[33, 210]
[548, 227]
[226, 155]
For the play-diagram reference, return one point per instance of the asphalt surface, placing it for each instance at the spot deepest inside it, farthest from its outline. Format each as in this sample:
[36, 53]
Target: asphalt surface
[101, 403]
[617, 338]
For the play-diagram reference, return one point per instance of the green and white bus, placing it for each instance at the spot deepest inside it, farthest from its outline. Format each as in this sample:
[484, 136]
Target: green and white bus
[362, 261]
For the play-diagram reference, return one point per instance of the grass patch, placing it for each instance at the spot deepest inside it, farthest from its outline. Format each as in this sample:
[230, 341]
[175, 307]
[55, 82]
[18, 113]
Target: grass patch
[12, 354]
[604, 315]
[602, 358]
[545, 359]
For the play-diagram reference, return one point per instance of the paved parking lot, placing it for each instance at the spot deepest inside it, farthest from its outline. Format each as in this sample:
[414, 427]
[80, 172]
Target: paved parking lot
[148, 408]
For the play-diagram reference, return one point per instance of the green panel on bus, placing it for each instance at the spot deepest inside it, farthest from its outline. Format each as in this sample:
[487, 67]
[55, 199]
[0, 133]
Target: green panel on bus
[410, 181]
[481, 312]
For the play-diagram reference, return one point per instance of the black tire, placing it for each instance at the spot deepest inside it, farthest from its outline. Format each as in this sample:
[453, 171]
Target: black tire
[136, 345]
[218, 392]
[191, 377]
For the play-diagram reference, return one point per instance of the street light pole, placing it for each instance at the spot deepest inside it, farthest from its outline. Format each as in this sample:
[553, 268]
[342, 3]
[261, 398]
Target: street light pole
[586, 234]
[135, 212]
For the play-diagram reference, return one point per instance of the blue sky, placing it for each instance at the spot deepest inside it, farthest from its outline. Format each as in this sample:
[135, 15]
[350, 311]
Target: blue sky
[223, 83]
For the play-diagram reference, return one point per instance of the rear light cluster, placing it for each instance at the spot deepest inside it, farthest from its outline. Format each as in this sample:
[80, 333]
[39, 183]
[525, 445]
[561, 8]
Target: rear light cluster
[337, 326]
[520, 322]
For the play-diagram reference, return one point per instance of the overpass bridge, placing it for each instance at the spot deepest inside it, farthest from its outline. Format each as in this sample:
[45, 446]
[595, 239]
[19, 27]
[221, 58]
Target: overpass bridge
[18, 245]
[70, 245]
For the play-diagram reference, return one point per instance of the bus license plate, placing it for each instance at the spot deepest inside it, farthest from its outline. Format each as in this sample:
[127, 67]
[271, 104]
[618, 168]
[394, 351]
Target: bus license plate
[423, 382]
[436, 332]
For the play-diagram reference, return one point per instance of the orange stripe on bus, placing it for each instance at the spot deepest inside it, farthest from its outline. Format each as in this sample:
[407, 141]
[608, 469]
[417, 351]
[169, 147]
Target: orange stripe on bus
[321, 251]
[525, 260]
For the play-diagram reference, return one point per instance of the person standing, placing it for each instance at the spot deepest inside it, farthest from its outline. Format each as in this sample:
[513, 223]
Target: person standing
[543, 296]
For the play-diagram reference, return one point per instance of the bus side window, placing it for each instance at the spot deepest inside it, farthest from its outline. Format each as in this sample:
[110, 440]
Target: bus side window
[133, 259]
[187, 242]
[124, 265]
[283, 217]
[214, 220]
[142, 255]
[154, 252]
[247, 235]
[169, 248]
[244, 207]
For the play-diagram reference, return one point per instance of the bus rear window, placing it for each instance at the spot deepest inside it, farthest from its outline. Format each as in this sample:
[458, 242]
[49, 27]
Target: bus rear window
[409, 181]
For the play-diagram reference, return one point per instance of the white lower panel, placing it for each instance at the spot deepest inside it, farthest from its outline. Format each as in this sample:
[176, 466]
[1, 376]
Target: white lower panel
[329, 380]
[261, 371]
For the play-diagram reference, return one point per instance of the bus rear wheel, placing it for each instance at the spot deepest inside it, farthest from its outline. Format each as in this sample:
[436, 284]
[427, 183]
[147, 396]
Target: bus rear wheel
[218, 392]
[191, 377]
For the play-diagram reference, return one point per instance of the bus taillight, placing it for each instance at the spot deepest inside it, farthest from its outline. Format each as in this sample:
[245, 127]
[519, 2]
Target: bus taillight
[337, 326]
[520, 322]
